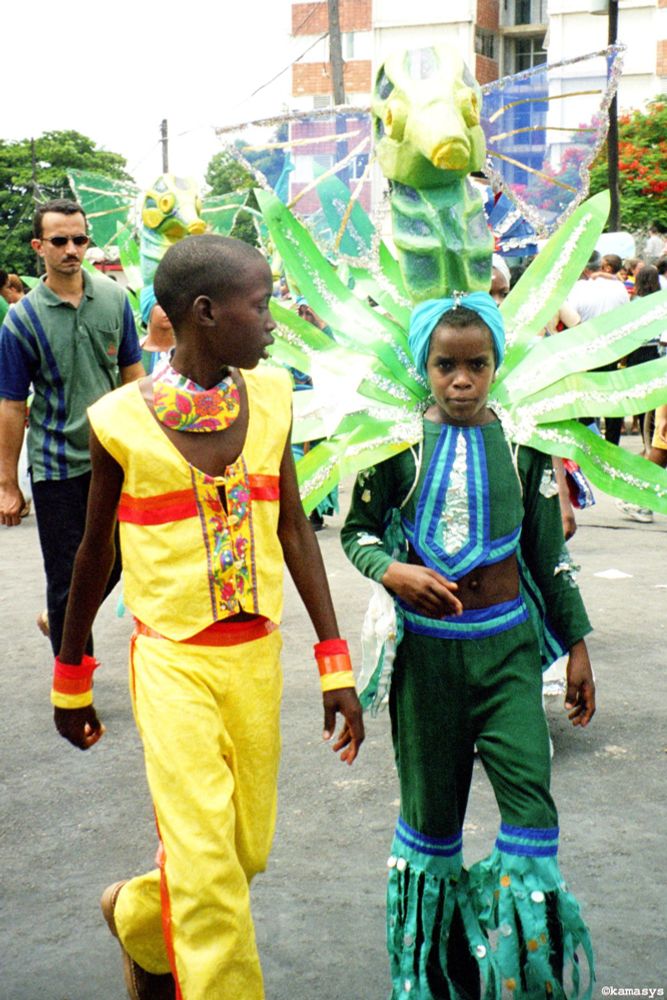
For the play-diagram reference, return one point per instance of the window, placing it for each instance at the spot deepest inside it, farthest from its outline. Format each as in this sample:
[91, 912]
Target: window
[359, 164]
[523, 12]
[524, 52]
[486, 44]
[517, 12]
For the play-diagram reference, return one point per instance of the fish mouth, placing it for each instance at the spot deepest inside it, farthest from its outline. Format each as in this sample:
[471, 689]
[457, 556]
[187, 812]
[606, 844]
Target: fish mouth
[453, 154]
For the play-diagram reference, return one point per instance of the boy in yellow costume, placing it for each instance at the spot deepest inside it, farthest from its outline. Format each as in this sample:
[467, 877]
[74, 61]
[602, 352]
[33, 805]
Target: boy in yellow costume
[195, 463]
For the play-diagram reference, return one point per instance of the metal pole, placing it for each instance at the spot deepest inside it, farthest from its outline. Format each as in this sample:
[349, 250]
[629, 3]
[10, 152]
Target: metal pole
[337, 81]
[612, 134]
[336, 53]
[164, 139]
[36, 195]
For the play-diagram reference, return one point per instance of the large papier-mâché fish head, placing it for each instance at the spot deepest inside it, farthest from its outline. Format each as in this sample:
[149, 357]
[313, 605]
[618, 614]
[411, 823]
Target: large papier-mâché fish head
[426, 110]
[171, 208]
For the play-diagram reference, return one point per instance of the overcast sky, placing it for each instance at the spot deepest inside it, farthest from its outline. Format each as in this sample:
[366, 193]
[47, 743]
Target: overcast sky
[113, 71]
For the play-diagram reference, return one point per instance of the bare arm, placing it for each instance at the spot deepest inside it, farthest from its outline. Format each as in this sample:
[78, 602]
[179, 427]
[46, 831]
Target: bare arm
[566, 509]
[304, 562]
[661, 422]
[12, 428]
[131, 373]
[92, 567]
[580, 693]
[568, 316]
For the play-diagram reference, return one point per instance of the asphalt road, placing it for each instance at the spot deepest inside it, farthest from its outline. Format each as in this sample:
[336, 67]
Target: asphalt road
[72, 822]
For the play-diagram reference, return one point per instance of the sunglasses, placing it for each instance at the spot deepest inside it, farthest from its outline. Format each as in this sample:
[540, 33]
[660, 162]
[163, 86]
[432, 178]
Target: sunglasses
[62, 241]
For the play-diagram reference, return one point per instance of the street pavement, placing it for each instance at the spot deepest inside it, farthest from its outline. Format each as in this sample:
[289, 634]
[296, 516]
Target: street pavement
[72, 822]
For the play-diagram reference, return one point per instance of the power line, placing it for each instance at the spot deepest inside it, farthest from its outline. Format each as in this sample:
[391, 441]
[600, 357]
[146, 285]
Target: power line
[289, 66]
[313, 9]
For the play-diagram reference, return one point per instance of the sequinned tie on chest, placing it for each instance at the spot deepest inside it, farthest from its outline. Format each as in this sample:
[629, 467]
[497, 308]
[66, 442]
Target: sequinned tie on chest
[451, 532]
[183, 405]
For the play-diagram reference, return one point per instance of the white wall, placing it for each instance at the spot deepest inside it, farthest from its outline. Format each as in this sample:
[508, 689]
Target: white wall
[398, 13]
[574, 31]
[458, 34]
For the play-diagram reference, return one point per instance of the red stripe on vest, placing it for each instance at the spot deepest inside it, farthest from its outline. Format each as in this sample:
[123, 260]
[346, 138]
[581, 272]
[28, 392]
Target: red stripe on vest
[181, 504]
[161, 509]
[264, 487]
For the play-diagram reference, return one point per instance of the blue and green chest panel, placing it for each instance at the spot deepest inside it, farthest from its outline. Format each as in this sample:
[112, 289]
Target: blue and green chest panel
[451, 532]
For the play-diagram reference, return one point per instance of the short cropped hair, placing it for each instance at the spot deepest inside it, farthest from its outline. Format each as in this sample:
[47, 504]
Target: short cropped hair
[4, 278]
[63, 206]
[208, 265]
[594, 262]
[613, 262]
[647, 281]
[15, 282]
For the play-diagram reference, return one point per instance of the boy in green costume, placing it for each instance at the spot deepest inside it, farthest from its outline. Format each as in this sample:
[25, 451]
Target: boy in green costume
[473, 516]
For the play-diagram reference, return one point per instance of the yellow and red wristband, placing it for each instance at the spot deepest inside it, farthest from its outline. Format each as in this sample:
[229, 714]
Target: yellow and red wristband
[334, 664]
[73, 683]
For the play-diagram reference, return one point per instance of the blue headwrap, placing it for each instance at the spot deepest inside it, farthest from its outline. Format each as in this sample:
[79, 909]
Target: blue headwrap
[147, 301]
[426, 315]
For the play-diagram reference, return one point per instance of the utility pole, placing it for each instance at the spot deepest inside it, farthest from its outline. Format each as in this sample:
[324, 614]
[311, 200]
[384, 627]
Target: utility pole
[612, 134]
[336, 53]
[35, 194]
[337, 80]
[164, 139]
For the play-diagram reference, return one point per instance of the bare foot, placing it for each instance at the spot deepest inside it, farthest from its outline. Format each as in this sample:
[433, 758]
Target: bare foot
[42, 623]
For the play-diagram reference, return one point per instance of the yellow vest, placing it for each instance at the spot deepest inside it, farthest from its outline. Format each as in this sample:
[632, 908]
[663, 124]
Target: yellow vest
[188, 561]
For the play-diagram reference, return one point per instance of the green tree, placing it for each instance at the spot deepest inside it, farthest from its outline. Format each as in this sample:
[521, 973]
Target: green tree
[226, 174]
[642, 165]
[33, 171]
[269, 161]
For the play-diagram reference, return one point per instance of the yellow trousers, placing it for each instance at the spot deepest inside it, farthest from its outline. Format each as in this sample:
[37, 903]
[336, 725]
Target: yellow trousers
[209, 721]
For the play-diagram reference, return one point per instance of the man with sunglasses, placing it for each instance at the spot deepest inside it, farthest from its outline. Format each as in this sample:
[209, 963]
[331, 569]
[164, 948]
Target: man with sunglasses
[73, 339]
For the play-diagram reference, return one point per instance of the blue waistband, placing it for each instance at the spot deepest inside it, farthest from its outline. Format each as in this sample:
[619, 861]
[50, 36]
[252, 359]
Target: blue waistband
[477, 623]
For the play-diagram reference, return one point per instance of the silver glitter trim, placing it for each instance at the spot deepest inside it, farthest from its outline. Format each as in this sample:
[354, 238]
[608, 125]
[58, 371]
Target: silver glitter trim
[548, 484]
[400, 433]
[543, 227]
[589, 401]
[295, 116]
[540, 295]
[455, 516]
[556, 438]
[567, 568]
[389, 386]
[536, 377]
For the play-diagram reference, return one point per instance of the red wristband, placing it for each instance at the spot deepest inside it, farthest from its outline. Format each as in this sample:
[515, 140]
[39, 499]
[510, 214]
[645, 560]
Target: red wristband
[73, 678]
[330, 647]
[334, 664]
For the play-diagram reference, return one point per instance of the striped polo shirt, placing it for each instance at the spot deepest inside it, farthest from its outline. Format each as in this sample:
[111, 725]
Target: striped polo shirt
[70, 356]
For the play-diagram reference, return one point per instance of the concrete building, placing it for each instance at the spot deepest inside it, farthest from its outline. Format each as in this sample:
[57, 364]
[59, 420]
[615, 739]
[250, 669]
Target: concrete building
[497, 38]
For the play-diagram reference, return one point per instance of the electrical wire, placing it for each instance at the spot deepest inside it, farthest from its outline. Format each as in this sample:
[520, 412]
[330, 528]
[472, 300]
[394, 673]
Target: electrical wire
[289, 66]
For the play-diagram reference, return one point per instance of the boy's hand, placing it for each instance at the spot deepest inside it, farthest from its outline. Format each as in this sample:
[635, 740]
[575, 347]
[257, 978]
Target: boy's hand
[423, 589]
[580, 694]
[351, 736]
[79, 725]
